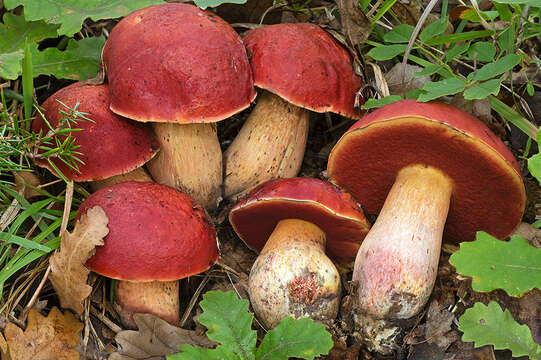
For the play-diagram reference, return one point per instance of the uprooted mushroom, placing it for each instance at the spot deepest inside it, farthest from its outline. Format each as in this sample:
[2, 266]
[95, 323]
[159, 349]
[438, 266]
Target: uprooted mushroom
[430, 170]
[293, 223]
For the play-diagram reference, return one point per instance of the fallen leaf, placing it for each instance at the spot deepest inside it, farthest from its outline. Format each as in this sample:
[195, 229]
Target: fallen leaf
[400, 81]
[68, 273]
[45, 338]
[355, 24]
[154, 339]
[530, 233]
[438, 329]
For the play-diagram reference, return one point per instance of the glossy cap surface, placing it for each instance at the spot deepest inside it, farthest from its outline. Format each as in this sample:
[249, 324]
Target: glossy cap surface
[110, 144]
[330, 208]
[488, 192]
[155, 233]
[304, 65]
[176, 63]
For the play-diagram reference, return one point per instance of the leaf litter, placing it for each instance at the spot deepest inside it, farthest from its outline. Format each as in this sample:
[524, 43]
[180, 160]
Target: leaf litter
[68, 273]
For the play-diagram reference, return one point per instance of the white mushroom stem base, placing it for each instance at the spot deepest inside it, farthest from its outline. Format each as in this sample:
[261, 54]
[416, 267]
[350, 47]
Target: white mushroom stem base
[160, 298]
[190, 159]
[138, 174]
[396, 266]
[293, 277]
[269, 145]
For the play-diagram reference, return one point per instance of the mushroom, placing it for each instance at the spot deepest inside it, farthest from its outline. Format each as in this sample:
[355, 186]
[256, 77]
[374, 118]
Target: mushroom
[291, 221]
[302, 68]
[183, 69]
[426, 168]
[112, 148]
[157, 235]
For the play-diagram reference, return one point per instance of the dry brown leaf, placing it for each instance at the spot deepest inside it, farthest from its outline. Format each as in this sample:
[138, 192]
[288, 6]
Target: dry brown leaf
[438, 329]
[68, 273]
[154, 339]
[355, 24]
[45, 338]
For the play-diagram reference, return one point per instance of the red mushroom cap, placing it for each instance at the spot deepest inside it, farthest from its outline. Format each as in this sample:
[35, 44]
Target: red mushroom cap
[176, 63]
[488, 192]
[156, 233]
[317, 201]
[304, 65]
[110, 145]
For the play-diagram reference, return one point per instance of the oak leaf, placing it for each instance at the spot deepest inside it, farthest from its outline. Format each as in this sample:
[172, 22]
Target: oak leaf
[154, 339]
[68, 273]
[45, 338]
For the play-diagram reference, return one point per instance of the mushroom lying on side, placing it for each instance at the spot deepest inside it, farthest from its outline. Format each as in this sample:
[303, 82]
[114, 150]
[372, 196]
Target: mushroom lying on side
[292, 221]
[157, 235]
[183, 69]
[423, 167]
[112, 148]
[302, 68]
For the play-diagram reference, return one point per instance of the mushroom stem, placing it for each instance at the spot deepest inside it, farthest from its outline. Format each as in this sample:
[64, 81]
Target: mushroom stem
[155, 297]
[396, 265]
[190, 160]
[293, 277]
[138, 174]
[269, 145]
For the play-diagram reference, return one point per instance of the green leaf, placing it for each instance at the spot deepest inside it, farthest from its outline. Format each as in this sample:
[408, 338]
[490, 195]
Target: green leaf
[453, 38]
[79, 61]
[512, 116]
[190, 352]
[429, 70]
[10, 64]
[484, 51]
[302, 338]
[534, 165]
[528, 2]
[482, 90]
[386, 52]
[434, 29]
[229, 322]
[498, 67]
[513, 266]
[377, 103]
[203, 4]
[489, 325]
[71, 13]
[13, 33]
[399, 34]
[444, 87]
[503, 10]
[456, 50]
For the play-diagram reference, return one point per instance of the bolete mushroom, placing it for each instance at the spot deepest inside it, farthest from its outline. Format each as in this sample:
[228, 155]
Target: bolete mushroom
[157, 235]
[183, 69]
[428, 169]
[291, 222]
[302, 68]
[112, 148]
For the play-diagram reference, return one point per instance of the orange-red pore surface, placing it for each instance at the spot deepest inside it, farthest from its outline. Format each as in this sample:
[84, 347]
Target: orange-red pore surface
[488, 192]
[176, 63]
[109, 144]
[304, 65]
[155, 233]
[332, 209]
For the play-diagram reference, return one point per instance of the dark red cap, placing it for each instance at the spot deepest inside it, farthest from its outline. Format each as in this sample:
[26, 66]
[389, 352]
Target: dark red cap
[317, 201]
[110, 144]
[304, 65]
[156, 233]
[176, 63]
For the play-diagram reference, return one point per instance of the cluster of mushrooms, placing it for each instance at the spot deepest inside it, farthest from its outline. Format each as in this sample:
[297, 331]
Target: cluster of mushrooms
[429, 170]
